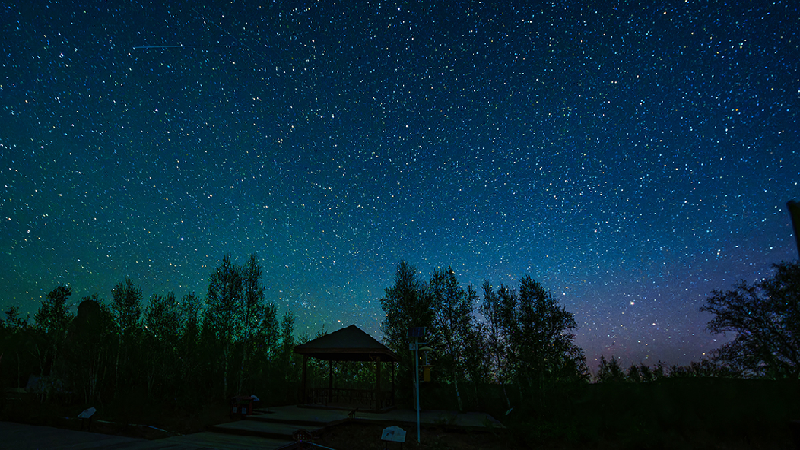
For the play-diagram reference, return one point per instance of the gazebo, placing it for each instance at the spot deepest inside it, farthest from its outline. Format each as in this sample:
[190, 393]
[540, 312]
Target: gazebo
[348, 344]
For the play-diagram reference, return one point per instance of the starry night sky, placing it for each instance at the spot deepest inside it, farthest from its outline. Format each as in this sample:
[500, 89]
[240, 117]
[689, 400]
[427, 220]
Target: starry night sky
[630, 158]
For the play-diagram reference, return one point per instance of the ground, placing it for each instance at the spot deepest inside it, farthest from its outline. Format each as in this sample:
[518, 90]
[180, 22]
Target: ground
[358, 436]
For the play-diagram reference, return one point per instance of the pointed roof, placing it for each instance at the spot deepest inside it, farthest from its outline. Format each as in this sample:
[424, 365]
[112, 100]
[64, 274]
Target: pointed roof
[347, 344]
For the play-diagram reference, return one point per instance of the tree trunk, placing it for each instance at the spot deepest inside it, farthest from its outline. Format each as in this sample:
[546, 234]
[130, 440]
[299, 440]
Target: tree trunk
[18, 369]
[477, 400]
[458, 394]
[241, 369]
[116, 367]
[225, 372]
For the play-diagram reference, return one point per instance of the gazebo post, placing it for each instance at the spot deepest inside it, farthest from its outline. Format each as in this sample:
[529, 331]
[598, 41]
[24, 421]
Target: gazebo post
[393, 364]
[330, 382]
[303, 395]
[378, 383]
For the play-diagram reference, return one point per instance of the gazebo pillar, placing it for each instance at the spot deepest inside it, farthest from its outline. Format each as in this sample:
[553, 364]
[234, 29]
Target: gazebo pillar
[378, 383]
[330, 382]
[303, 395]
[393, 364]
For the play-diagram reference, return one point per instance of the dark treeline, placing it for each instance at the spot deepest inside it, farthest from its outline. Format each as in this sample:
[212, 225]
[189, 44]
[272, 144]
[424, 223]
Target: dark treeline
[505, 350]
[518, 342]
[525, 338]
[181, 351]
[511, 352]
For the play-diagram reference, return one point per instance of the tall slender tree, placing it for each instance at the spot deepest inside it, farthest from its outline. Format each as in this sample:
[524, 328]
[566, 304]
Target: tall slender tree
[287, 346]
[126, 306]
[162, 326]
[225, 312]
[453, 321]
[15, 338]
[189, 350]
[543, 337]
[534, 335]
[497, 333]
[254, 310]
[52, 321]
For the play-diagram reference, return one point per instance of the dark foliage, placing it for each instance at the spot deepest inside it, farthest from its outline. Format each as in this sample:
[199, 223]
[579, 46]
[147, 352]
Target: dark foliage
[765, 317]
[527, 338]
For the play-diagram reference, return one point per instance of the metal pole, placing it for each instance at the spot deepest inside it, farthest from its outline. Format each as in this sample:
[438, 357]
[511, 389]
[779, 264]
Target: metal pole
[794, 213]
[416, 377]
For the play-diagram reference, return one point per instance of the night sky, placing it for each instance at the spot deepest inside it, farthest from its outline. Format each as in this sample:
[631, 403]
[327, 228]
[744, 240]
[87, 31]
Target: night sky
[630, 158]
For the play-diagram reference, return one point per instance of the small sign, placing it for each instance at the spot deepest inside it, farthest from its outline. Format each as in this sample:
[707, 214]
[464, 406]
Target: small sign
[393, 434]
[416, 332]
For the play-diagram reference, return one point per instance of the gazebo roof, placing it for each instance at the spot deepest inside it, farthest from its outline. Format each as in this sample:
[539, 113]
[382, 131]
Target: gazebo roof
[347, 344]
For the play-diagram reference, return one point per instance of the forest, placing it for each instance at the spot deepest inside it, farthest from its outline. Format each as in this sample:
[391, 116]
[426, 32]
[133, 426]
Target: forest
[509, 351]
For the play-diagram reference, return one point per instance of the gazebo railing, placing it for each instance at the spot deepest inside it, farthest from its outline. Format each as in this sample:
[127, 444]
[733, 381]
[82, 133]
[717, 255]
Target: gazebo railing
[367, 398]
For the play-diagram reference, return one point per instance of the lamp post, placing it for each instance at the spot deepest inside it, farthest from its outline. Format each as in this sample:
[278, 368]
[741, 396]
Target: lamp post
[416, 333]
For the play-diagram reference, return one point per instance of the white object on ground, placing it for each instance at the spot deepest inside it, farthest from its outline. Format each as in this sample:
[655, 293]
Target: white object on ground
[89, 412]
[393, 434]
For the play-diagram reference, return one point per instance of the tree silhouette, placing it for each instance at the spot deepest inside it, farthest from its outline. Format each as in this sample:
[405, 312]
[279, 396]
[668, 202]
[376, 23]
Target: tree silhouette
[126, 306]
[765, 317]
[225, 313]
[51, 323]
[406, 304]
[497, 334]
[15, 342]
[162, 332]
[452, 307]
[610, 370]
[90, 345]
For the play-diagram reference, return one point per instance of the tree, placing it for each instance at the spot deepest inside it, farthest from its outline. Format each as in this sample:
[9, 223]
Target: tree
[287, 346]
[496, 333]
[90, 345]
[406, 305]
[52, 320]
[765, 317]
[609, 370]
[476, 357]
[266, 337]
[254, 310]
[162, 331]
[15, 336]
[225, 312]
[189, 346]
[543, 335]
[536, 333]
[453, 322]
[126, 306]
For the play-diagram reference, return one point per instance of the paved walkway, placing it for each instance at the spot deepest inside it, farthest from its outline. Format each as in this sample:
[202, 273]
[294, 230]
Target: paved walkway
[29, 437]
[267, 429]
[296, 414]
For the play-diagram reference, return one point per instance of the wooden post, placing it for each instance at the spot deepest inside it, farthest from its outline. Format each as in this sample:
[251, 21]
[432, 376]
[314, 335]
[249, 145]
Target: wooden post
[303, 395]
[330, 382]
[393, 364]
[378, 383]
